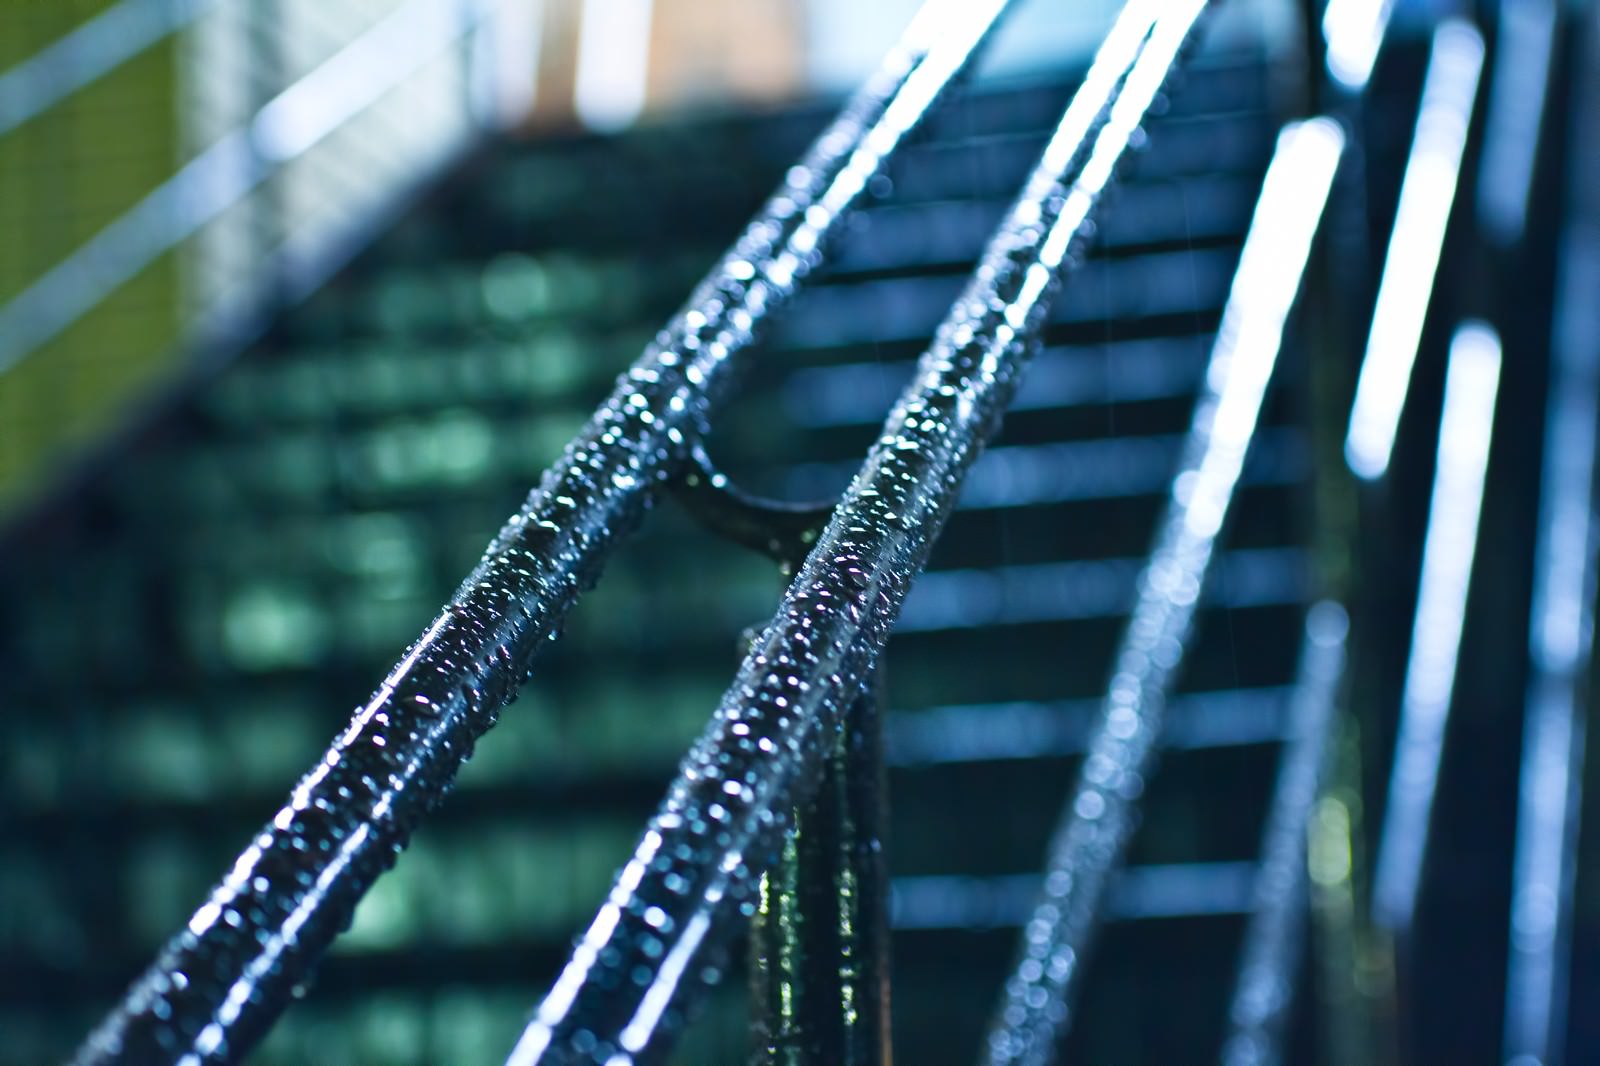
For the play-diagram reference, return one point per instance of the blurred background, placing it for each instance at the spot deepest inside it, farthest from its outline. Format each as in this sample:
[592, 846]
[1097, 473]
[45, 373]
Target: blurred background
[298, 299]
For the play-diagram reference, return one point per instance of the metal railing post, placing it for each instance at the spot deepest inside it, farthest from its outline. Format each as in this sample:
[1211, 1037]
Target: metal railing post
[223, 978]
[820, 936]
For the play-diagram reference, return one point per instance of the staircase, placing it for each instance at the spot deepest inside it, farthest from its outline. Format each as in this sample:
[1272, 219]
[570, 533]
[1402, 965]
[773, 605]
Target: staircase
[230, 584]
[182, 633]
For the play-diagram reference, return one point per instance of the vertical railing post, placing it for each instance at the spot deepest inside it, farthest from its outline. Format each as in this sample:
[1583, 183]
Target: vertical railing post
[820, 939]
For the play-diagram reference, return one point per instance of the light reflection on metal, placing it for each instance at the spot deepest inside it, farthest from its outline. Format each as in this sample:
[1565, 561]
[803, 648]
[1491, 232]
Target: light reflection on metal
[1527, 30]
[503, 69]
[1448, 548]
[1032, 730]
[662, 934]
[289, 125]
[221, 980]
[1562, 638]
[90, 52]
[1273, 942]
[1427, 192]
[1353, 31]
[1098, 820]
[1138, 893]
[613, 63]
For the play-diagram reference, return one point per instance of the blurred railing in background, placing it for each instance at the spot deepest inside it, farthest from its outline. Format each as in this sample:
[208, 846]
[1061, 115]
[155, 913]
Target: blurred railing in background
[177, 171]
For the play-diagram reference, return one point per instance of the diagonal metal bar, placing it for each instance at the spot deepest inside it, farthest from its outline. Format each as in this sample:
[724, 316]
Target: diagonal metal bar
[1353, 31]
[1274, 939]
[218, 984]
[1421, 219]
[1544, 863]
[661, 937]
[1095, 827]
[1524, 49]
[819, 938]
[89, 53]
[820, 934]
[1099, 468]
[1471, 385]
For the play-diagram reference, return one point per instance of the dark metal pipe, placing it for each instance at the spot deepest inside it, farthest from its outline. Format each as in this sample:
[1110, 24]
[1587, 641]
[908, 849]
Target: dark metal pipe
[220, 982]
[662, 935]
[820, 936]
[1098, 820]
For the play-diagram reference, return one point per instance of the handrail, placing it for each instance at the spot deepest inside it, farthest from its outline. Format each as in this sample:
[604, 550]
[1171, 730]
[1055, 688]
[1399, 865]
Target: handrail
[1421, 222]
[1353, 32]
[1561, 651]
[88, 53]
[1274, 939]
[659, 938]
[1524, 48]
[1098, 818]
[771, 758]
[285, 128]
[218, 983]
[1466, 423]
[728, 823]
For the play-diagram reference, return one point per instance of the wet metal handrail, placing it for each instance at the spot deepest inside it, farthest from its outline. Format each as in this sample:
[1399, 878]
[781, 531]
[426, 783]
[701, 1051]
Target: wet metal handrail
[662, 934]
[1274, 939]
[1449, 546]
[284, 129]
[89, 53]
[773, 813]
[1550, 800]
[1098, 819]
[218, 984]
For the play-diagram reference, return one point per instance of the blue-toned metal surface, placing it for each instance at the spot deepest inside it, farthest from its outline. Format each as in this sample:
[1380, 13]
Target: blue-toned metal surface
[219, 177]
[662, 935]
[1099, 817]
[1270, 962]
[1037, 730]
[1421, 219]
[820, 934]
[1545, 860]
[89, 53]
[220, 981]
[1449, 546]
[1104, 468]
[1518, 89]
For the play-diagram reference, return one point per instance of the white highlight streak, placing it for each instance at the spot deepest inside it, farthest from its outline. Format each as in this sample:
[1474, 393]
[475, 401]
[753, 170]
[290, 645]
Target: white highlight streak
[1426, 193]
[1448, 549]
[1353, 30]
[1544, 862]
[1516, 111]
[613, 63]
